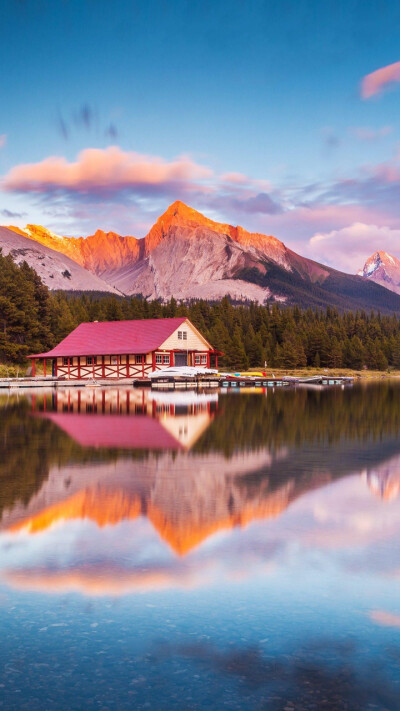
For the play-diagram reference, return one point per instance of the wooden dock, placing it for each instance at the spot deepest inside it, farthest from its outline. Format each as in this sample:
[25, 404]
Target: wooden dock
[52, 382]
[215, 382]
[176, 383]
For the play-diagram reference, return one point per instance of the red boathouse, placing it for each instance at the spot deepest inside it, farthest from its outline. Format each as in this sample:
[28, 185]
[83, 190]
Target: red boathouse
[127, 349]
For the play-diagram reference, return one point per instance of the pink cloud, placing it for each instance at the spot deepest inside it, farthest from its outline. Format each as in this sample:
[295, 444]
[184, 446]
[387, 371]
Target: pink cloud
[375, 82]
[235, 178]
[386, 619]
[370, 134]
[103, 170]
[350, 246]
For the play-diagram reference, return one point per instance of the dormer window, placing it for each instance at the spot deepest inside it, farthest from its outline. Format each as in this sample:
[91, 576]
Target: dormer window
[182, 335]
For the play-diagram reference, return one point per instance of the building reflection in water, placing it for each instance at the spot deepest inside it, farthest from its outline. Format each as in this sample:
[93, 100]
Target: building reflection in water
[139, 479]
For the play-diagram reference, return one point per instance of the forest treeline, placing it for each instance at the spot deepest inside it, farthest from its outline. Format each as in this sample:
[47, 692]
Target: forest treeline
[33, 319]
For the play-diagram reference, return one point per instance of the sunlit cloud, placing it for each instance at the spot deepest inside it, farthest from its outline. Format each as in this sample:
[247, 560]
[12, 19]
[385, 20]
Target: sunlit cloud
[375, 82]
[107, 170]
[363, 133]
[350, 246]
[386, 619]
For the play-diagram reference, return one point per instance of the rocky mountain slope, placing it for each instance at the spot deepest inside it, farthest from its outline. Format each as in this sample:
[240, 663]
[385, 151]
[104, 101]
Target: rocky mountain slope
[56, 270]
[187, 255]
[384, 269]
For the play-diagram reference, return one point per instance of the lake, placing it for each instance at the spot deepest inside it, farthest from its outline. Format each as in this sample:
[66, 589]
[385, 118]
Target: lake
[200, 551]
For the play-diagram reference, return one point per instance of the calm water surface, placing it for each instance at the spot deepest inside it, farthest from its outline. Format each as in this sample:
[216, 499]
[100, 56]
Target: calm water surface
[193, 552]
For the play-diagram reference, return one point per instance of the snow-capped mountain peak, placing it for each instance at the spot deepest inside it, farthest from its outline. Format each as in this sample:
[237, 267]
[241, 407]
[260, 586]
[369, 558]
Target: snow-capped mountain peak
[382, 268]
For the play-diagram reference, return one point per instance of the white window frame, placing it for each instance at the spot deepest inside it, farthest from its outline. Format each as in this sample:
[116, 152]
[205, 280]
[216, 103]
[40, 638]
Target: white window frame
[203, 359]
[159, 359]
[166, 359]
[197, 359]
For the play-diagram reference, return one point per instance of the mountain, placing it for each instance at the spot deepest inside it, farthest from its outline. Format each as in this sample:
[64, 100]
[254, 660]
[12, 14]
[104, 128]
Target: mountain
[383, 269]
[186, 255]
[56, 270]
[101, 253]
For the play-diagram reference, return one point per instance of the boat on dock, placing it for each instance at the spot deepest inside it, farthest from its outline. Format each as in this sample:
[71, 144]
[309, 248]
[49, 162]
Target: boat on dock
[190, 378]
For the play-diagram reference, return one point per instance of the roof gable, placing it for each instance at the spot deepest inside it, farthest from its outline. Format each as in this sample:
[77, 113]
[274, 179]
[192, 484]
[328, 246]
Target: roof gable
[185, 344]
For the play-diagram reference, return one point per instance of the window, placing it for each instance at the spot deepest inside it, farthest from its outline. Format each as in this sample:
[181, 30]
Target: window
[203, 359]
[65, 361]
[159, 358]
[139, 359]
[180, 335]
[197, 360]
[89, 360]
[166, 359]
[114, 360]
[184, 334]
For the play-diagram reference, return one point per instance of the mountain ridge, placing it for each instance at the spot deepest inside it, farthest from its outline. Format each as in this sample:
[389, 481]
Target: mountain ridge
[186, 255]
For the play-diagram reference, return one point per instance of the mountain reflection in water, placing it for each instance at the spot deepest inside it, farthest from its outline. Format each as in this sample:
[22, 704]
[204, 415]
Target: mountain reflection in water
[286, 503]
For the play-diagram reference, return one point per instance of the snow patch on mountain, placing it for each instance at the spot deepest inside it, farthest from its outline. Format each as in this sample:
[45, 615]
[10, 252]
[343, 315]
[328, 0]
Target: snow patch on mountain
[56, 270]
[383, 269]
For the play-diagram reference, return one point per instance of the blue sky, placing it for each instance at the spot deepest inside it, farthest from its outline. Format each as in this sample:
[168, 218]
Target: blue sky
[191, 94]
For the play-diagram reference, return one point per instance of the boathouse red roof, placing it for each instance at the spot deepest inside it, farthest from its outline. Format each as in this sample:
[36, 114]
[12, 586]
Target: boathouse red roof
[115, 337]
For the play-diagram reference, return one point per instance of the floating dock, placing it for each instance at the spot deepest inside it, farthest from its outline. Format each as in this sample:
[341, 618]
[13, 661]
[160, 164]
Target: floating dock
[189, 384]
[177, 383]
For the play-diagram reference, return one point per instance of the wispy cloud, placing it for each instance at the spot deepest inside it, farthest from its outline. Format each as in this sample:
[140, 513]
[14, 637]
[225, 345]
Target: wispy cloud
[386, 619]
[375, 82]
[87, 119]
[363, 133]
[10, 214]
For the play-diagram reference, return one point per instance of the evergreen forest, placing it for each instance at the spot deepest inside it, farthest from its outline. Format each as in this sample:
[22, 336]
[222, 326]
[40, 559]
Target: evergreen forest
[33, 319]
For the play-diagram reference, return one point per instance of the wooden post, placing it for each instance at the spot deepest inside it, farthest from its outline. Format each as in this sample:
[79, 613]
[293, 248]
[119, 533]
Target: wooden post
[118, 357]
[171, 359]
[208, 359]
[93, 357]
[127, 366]
[69, 368]
[216, 362]
[153, 360]
[44, 367]
[55, 367]
[103, 370]
[79, 367]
